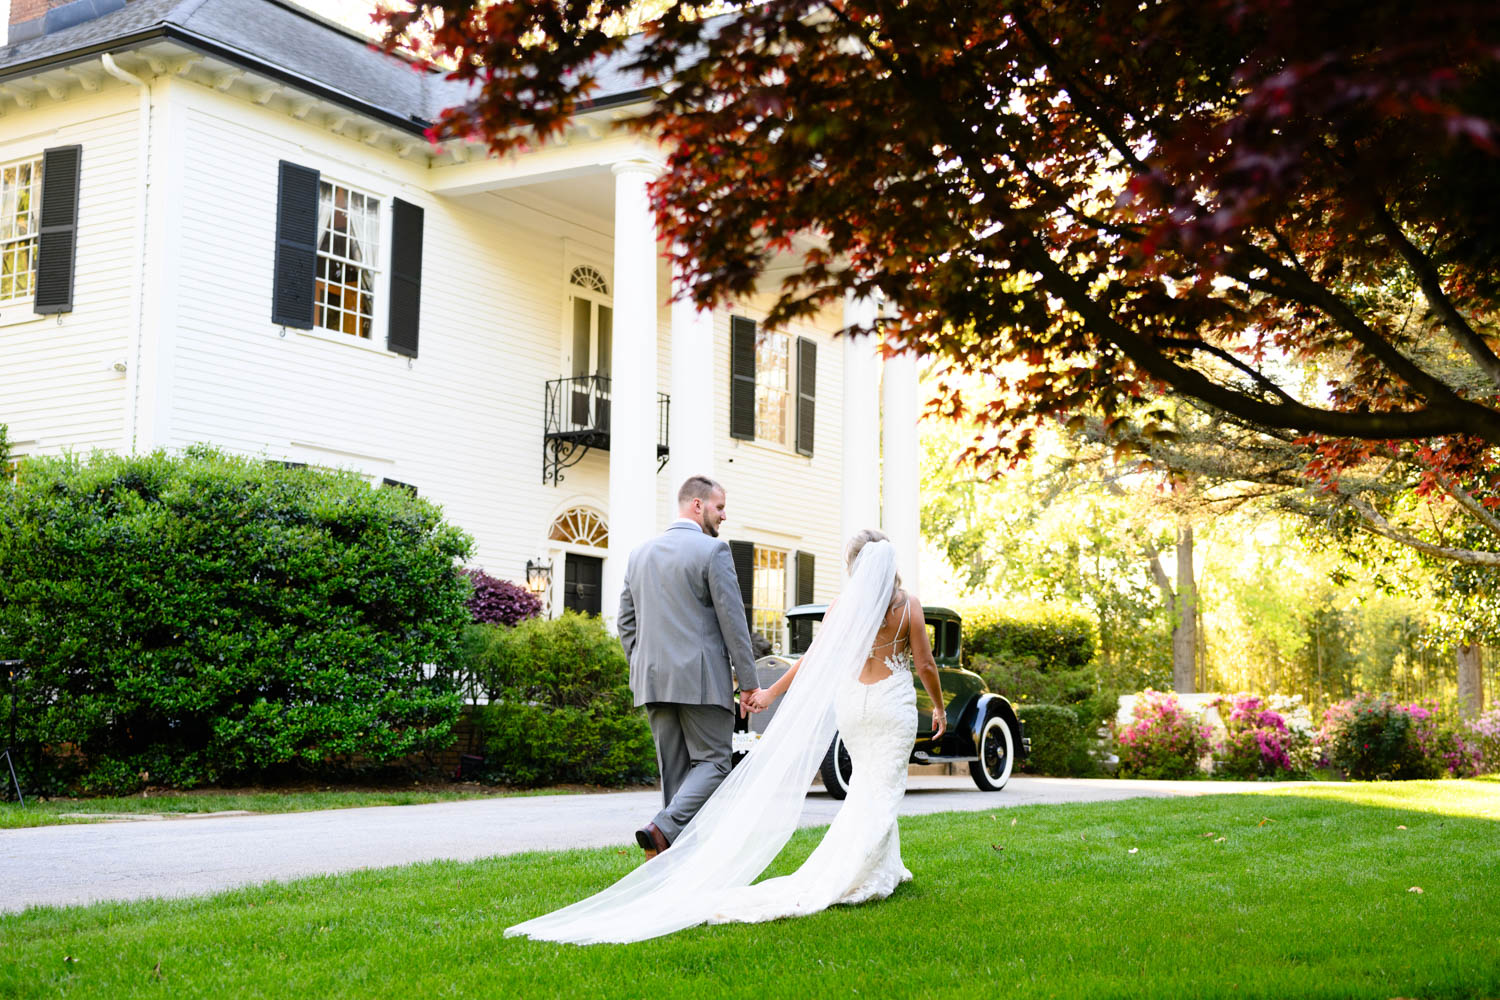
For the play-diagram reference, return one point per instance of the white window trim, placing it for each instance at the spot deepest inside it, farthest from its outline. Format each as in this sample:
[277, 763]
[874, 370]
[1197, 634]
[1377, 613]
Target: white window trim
[378, 339]
[9, 307]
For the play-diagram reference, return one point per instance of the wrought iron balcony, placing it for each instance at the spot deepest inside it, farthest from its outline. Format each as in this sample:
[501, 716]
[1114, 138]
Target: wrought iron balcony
[578, 418]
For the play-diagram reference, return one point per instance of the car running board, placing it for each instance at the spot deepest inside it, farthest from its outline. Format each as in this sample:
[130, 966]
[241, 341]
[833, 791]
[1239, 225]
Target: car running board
[923, 757]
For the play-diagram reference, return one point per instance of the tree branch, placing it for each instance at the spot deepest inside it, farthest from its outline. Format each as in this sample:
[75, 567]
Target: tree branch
[1374, 523]
[1432, 287]
[1466, 500]
[1229, 359]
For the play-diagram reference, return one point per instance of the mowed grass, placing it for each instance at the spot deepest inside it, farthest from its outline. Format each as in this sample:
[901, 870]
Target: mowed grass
[1296, 892]
[51, 812]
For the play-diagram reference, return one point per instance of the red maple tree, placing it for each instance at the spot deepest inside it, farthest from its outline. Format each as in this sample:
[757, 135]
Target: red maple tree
[1281, 210]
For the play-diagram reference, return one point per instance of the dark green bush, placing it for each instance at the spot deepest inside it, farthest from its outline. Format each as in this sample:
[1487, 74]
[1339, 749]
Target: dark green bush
[1049, 637]
[560, 706]
[1374, 736]
[188, 619]
[1059, 741]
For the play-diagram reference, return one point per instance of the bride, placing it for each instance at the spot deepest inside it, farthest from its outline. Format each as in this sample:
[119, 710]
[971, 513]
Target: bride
[855, 679]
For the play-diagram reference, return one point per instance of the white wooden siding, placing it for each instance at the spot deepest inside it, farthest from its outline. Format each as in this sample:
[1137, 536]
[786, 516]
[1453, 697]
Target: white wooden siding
[59, 390]
[462, 422]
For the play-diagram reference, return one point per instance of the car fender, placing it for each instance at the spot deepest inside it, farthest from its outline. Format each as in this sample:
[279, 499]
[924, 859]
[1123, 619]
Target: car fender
[994, 704]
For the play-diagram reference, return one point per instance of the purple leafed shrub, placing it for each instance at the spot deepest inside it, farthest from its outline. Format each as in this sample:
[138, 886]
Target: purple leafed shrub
[500, 602]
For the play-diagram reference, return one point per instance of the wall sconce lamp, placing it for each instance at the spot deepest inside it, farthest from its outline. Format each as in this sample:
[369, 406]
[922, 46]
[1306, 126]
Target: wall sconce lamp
[538, 577]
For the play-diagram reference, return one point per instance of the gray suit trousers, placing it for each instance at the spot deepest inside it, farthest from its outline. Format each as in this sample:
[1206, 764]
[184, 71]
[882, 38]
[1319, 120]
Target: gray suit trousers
[692, 753]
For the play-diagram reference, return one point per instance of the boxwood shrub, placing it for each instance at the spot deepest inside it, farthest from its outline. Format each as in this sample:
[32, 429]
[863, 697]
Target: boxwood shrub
[1059, 742]
[191, 618]
[1048, 637]
[560, 706]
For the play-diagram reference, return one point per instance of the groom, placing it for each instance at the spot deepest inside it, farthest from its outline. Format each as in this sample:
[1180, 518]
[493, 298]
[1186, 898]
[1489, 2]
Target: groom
[682, 623]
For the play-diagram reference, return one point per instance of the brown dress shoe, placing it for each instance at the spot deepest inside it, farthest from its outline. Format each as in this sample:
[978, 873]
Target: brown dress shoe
[652, 840]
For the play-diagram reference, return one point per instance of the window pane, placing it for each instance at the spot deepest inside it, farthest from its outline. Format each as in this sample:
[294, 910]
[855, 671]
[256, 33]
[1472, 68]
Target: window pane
[606, 344]
[347, 251]
[768, 594]
[582, 311]
[772, 381]
[18, 183]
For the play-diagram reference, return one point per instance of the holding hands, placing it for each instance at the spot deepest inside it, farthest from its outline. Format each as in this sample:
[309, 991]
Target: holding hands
[756, 701]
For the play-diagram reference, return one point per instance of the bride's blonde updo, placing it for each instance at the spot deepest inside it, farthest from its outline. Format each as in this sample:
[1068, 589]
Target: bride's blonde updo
[858, 542]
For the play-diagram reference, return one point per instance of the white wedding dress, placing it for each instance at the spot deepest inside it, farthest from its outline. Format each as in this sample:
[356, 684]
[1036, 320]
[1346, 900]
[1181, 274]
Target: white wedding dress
[705, 876]
[859, 858]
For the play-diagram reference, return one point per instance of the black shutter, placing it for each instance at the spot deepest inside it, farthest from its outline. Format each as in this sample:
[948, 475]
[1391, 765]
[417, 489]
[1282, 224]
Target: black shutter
[296, 246]
[807, 391]
[742, 378]
[743, 554]
[406, 278]
[57, 237]
[802, 631]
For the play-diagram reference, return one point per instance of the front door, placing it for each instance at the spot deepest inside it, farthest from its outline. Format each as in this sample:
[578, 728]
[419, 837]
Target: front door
[583, 577]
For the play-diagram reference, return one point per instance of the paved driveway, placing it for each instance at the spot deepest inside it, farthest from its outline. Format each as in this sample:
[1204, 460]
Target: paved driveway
[62, 865]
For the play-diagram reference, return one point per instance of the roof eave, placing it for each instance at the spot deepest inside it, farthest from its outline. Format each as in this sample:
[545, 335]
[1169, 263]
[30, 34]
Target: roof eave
[206, 46]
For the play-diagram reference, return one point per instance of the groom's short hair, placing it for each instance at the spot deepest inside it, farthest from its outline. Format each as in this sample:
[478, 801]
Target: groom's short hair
[697, 488]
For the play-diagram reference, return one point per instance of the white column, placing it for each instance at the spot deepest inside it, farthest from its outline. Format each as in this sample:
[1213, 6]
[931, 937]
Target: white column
[632, 438]
[692, 420]
[860, 465]
[900, 470]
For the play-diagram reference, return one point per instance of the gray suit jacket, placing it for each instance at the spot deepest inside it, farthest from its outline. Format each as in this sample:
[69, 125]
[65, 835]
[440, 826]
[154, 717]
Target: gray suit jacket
[682, 621]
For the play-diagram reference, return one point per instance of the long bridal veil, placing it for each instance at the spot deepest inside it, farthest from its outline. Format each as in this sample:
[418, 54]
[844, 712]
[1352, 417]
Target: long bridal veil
[742, 828]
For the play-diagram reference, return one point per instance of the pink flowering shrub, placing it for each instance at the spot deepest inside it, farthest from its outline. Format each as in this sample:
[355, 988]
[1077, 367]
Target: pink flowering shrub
[1466, 748]
[1373, 736]
[1161, 741]
[1483, 736]
[1258, 743]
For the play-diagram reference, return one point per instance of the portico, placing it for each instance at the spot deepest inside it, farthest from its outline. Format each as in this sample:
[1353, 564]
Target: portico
[655, 402]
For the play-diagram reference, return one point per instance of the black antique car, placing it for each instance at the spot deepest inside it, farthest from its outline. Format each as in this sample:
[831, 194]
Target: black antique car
[983, 729]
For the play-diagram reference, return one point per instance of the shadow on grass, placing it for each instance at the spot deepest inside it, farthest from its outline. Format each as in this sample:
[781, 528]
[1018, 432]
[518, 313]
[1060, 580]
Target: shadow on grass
[1283, 894]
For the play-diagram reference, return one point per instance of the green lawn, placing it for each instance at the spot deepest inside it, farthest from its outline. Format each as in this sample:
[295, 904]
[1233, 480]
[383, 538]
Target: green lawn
[54, 811]
[1297, 892]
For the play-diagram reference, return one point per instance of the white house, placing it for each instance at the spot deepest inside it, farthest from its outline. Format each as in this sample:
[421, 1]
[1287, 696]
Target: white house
[220, 221]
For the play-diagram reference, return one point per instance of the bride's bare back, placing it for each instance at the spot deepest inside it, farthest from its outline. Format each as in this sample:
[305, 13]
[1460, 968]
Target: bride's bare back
[903, 629]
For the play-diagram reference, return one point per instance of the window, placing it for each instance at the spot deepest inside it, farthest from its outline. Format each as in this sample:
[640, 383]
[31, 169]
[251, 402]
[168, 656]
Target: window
[20, 185]
[591, 322]
[580, 526]
[773, 380]
[768, 586]
[348, 252]
[772, 395]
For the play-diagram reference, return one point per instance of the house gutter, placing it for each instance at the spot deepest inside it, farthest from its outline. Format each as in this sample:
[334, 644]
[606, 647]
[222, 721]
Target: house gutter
[137, 294]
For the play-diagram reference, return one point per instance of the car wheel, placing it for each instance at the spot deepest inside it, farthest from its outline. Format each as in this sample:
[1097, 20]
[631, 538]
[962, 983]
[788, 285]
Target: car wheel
[837, 768]
[996, 755]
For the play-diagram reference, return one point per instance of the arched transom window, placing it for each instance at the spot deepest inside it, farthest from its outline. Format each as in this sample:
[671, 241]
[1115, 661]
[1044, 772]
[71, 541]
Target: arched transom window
[580, 526]
[588, 278]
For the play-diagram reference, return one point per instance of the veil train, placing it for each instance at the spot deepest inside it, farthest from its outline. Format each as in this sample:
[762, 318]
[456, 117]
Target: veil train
[747, 822]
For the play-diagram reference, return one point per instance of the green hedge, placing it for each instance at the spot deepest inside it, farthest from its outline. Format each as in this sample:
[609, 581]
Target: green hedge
[191, 618]
[1059, 741]
[1048, 637]
[560, 706]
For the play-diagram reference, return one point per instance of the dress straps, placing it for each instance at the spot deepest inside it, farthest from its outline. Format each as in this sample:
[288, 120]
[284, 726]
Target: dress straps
[896, 637]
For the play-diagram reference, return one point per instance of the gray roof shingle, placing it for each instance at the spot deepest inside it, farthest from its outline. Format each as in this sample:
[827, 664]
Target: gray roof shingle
[300, 49]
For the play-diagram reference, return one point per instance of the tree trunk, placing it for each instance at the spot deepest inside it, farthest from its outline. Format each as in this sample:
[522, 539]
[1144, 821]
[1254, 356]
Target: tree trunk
[1470, 680]
[1185, 628]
